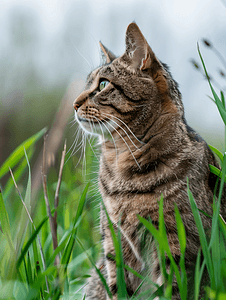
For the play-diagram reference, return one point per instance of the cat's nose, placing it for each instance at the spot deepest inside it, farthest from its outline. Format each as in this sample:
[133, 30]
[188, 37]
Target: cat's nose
[76, 106]
[80, 100]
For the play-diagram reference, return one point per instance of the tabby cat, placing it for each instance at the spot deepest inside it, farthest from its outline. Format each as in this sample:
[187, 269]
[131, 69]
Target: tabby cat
[148, 150]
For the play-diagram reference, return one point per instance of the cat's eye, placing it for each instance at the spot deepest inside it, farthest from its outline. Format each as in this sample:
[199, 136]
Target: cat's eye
[103, 84]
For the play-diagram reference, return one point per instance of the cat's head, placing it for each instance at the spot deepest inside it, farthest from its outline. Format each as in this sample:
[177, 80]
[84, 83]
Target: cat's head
[130, 92]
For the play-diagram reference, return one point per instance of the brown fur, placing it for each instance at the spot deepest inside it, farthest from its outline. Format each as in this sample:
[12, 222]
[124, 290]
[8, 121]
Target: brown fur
[135, 172]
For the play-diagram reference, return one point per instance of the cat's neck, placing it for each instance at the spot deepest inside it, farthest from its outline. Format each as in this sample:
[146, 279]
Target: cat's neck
[127, 150]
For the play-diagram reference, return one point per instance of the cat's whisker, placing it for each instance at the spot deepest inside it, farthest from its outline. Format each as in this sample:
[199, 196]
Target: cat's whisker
[77, 148]
[103, 139]
[124, 142]
[72, 123]
[92, 128]
[72, 118]
[76, 133]
[79, 156]
[90, 143]
[84, 156]
[75, 145]
[83, 57]
[124, 130]
[116, 152]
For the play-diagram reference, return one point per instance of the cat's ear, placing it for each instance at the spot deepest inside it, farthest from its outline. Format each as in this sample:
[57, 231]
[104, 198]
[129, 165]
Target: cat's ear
[137, 48]
[107, 53]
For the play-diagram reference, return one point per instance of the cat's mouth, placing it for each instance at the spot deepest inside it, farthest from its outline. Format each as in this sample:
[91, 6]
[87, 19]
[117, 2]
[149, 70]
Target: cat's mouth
[84, 120]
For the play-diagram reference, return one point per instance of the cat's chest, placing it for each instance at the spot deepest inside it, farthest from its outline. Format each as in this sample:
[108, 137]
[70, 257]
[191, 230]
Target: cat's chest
[125, 197]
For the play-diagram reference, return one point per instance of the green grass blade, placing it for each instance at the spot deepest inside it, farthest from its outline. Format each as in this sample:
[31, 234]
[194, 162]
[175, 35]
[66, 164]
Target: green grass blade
[69, 248]
[162, 228]
[37, 285]
[223, 262]
[215, 240]
[13, 290]
[30, 241]
[158, 294]
[27, 198]
[198, 276]
[4, 218]
[134, 272]
[63, 242]
[23, 221]
[121, 285]
[138, 289]
[18, 172]
[162, 231]
[28, 268]
[26, 272]
[122, 292]
[220, 105]
[66, 285]
[216, 208]
[18, 153]
[180, 230]
[220, 108]
[202, 237]
[81, 204]
[182, 241]
[222, 182]
[222, 225]
[222, 98]
[169, 288]
[216, 171]
[217, 152]
[79, 259]
[216, 257]
[150, 227]
[35, 250]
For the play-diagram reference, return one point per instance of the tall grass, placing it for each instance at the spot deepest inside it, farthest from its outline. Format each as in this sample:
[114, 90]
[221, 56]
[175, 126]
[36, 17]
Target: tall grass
[28, 258]
[36, 264]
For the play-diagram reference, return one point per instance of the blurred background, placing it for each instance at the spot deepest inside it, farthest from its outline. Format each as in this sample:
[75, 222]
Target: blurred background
[48, 47]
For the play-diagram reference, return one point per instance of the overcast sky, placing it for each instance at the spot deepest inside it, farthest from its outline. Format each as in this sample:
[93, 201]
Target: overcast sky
[172, 28]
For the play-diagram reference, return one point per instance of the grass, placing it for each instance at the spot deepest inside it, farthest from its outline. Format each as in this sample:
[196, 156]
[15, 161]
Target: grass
[49, 254]
[28, 257]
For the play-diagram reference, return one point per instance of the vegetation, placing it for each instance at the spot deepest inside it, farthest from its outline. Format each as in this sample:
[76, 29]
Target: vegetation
[48, 248]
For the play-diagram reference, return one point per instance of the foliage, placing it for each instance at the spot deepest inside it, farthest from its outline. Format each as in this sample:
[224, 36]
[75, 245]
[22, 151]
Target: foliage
[27, 257]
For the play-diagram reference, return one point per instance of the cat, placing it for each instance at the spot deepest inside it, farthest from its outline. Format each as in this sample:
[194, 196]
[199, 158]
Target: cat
[148, 150]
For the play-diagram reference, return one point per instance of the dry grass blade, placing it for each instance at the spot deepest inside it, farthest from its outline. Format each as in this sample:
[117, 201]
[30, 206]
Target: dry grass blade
[51, 219]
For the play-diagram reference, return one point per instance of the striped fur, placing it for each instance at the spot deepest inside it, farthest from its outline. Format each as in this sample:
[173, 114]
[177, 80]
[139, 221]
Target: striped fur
[147, 150]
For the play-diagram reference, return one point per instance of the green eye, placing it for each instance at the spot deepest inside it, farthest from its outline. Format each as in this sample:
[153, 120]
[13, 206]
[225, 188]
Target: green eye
[103, 84]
